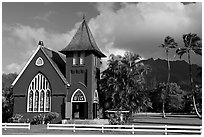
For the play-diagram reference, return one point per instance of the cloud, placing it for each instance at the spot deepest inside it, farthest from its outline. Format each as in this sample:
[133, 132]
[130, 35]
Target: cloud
[45, 16]
[119, 27]
[28, 36]
[24, 40]
[14, 67]
[142, 27]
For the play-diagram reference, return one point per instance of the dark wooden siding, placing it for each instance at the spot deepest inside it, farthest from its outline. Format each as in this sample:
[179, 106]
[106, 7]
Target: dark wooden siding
[21, 87]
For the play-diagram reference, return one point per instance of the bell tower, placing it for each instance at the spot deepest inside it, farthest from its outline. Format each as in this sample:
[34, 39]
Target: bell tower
[82, 73]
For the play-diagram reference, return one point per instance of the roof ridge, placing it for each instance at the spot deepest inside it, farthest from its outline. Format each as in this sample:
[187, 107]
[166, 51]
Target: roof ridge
[83, 40]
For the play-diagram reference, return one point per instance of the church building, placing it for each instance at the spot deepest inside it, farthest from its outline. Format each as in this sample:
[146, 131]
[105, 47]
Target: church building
[65, 82]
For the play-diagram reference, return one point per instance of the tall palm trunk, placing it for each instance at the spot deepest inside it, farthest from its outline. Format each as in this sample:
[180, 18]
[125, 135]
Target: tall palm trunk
[191, 82]
[167, 87]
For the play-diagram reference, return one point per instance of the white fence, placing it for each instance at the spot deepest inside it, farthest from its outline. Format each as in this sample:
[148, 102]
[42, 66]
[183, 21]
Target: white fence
[16, 125]
[129, 128]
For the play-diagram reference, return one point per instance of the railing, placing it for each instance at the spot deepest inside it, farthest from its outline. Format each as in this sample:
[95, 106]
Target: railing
[129, 128]
[16, 125]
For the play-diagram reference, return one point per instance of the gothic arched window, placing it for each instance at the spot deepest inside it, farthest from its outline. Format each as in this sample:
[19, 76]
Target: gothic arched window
[96, 100]
[39, 95]
[47, 101]
[31, 100]
[42, 96]
[78, 96]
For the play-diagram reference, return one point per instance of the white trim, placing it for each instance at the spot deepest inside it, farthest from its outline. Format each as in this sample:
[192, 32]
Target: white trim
[37, 84]
[81, 58]
[74, 60]
[37, 62]
[26, 65]
[75, 93]
[33, 55]
[96, 99]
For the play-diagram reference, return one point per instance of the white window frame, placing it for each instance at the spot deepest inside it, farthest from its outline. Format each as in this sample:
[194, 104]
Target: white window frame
[40, 84]
[75, 93]
[74, 60]
[96, 99]
[37, 62]
[81, 58]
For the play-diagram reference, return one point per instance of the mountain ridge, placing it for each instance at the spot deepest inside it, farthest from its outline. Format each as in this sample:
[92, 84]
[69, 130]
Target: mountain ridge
[179, 72]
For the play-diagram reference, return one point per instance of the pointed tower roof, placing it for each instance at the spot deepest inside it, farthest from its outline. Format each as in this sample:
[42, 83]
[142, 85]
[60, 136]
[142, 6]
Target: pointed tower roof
[83, 40]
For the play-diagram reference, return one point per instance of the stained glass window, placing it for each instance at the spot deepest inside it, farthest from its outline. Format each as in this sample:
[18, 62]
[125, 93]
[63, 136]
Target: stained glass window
[47, 101]
[36, 101]
[42, 100]
[78, 96]
[31, 101]
[39, 95]
[39, 61]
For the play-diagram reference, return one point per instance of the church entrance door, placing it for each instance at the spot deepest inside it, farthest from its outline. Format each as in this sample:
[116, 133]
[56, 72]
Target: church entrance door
[79, 105]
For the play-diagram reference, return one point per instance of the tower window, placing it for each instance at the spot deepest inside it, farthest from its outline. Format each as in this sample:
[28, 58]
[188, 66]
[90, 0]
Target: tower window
[39, 95]
[81, 58]
[78, 58]
[75, 57]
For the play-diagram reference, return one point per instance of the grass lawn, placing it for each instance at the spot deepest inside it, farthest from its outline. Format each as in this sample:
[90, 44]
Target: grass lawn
[138, 119]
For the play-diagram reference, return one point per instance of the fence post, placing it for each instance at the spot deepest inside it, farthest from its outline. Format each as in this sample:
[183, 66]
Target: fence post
[133, 129]
[48, 127]
[28, 126]
[74, 128]
[5, 127]
[165, 133]
[102, 129]
[200, 130]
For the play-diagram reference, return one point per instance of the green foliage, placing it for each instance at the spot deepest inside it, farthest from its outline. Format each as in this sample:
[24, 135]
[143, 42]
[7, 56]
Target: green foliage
[7, 97]
[115, 119]
[7, 105]
[122, 84]
[174, 98]
[44, 118]
[17, 118]
[192, 43]
[50, 116]
[38, 119]
[198, 96]
[7, 80]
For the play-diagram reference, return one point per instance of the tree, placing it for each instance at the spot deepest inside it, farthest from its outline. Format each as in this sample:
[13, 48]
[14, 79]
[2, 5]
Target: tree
[169, 43]
[122, 84]
[174, 99]
[7, 97]
[192, 43]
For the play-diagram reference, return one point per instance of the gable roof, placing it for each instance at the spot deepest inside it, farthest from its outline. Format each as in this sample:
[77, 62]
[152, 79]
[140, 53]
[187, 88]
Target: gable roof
[83, 40]
[56, 59]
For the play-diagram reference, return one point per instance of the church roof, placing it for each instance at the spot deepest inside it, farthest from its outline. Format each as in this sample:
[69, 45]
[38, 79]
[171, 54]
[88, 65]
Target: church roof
[83, 40]
[56, 59]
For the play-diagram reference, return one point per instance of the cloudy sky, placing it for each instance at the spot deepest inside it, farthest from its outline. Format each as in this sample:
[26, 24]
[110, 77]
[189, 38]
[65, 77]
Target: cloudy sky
[116, 27]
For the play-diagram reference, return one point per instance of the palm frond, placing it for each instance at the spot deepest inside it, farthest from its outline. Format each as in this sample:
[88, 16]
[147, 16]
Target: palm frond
[181, 51]
[169, 42]
[198, 51]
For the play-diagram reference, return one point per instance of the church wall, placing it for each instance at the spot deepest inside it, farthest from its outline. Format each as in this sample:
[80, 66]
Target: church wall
[79, 77]
[21, 87]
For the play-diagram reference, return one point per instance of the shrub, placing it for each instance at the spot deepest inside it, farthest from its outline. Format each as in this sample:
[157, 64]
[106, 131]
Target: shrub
[115, 119]
[38, 119]
[16, 118]
[50, 116]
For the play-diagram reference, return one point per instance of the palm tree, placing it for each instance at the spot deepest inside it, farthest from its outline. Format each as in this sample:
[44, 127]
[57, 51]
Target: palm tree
[169, 43]
[192, 43]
